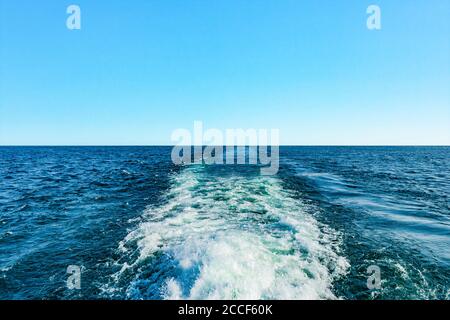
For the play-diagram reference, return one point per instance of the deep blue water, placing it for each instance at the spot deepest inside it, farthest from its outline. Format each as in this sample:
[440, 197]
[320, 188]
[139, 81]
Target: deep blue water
[143, 228]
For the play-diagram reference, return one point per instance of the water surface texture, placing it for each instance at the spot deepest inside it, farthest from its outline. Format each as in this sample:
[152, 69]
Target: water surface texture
[140, 227]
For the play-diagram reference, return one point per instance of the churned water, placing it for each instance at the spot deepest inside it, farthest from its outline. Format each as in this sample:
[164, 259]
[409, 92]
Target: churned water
[140, 227]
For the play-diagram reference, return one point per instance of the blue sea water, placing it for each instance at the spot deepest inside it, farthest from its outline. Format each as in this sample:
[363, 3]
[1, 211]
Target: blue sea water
[141, 227]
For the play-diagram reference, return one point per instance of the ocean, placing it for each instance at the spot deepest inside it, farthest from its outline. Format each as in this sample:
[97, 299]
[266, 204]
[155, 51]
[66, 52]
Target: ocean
[140, 227]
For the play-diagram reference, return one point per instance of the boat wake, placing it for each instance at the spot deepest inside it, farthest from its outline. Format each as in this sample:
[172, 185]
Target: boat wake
[229, 236]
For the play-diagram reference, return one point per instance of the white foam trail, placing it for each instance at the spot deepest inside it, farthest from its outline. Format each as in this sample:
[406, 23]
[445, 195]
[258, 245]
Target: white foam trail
[235, 237]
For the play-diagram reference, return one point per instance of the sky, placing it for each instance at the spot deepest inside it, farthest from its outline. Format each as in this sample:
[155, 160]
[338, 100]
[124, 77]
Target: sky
[138, 70]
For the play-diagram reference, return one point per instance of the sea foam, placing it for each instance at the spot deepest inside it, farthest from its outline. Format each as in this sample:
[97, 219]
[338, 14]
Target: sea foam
[231, 237]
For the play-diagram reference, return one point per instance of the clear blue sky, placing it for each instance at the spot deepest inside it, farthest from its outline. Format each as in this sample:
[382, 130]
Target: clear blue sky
[137, 70]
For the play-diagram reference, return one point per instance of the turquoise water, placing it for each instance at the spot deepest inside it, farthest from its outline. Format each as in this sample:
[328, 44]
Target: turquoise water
[143, 228]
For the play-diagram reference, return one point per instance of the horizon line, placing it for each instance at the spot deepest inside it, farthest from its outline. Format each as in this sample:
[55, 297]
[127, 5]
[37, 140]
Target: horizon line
[168, 145]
